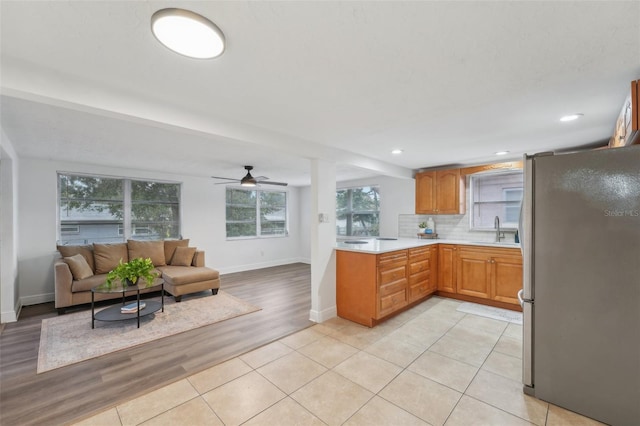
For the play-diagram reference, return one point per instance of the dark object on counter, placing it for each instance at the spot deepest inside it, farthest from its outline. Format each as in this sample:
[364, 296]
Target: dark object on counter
[386, 239]
[517, 237]
[355, 242]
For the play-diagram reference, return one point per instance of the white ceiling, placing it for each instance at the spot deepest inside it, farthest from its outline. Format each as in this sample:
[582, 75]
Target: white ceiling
[449, 82]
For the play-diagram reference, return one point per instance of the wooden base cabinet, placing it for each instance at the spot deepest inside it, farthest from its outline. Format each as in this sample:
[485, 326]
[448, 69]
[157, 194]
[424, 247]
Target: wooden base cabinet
[370, 287]
[489, 273]
[447, 268]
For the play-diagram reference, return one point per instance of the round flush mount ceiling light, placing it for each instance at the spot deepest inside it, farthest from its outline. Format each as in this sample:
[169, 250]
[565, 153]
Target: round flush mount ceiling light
[502, 152]
[397, 151]
[571, 117]
[187, 33]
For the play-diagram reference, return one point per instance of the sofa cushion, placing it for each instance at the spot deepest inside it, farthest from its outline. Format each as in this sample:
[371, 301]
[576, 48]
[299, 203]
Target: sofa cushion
[79, 266]
[85, 251]
[108, 256]
[183, 256]
[178, 275]
[88, 283]
[147, 249]
[170, 248]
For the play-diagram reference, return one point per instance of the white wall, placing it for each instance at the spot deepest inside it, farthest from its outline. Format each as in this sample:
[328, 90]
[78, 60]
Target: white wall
[9, 291]
[203, 222]
[304, 213]
[397, 196]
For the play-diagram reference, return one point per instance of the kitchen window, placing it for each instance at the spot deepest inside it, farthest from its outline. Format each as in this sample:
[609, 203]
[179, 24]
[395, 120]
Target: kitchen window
[108, 209]
[256, 213]
[496, 194]
[358, 211]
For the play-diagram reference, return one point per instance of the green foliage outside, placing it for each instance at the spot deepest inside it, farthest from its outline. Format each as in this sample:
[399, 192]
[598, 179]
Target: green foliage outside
[358, 211]
[155, 206]
[243, 206]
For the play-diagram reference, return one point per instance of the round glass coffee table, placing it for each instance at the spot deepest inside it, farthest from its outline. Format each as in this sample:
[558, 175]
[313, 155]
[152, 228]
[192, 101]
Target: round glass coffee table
[113, 313]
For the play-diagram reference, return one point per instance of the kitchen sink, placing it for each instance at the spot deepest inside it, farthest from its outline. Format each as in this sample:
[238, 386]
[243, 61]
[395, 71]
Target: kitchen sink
[355, 242]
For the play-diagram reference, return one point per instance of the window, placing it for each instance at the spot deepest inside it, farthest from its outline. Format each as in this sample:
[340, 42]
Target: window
[106, 209]
[256, 213]
[358, 211]
[496, 194]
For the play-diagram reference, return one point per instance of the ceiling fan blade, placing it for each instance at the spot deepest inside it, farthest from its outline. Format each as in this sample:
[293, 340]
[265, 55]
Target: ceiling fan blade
[262, 182]
[226, 183]
[225, 178]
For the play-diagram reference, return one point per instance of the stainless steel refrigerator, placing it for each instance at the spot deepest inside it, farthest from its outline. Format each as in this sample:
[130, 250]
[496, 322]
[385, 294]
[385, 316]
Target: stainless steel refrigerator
[580, 236]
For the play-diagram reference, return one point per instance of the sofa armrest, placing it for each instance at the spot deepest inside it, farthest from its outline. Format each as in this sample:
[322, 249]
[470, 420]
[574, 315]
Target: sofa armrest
[62, 280]
[198, 258]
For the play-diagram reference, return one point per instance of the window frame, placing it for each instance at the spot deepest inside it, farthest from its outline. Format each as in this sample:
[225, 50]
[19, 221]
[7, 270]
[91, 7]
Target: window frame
[258, 224]
[126, 227]
[503, 202]
[350, 211]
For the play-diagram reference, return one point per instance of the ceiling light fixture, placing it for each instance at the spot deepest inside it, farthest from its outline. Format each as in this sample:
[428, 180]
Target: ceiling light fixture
[397, 151]
[571, 117]
[187, 33]
[502, 152]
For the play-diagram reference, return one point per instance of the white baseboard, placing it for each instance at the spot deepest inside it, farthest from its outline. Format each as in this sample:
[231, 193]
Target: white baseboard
[323, 315]
[11, 316]
[37, 298]
[252, 266]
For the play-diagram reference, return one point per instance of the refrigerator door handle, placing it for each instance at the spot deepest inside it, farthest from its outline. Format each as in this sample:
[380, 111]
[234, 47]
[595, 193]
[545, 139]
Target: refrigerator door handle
[520, 299]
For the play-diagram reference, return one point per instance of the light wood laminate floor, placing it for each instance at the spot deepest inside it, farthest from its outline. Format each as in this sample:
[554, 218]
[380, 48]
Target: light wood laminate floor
[63, 395]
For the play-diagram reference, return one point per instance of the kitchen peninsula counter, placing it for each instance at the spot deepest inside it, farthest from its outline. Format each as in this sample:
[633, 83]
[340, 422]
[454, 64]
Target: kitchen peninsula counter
[381, 277]
[374, 246]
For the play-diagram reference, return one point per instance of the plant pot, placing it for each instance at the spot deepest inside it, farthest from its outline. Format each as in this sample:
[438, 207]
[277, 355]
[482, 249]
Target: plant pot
[129, 283]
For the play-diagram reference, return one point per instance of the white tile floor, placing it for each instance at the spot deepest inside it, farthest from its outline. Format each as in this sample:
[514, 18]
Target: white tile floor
[430, 365]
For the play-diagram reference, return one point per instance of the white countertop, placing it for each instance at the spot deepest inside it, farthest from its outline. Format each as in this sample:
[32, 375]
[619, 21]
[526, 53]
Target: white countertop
[375, 246]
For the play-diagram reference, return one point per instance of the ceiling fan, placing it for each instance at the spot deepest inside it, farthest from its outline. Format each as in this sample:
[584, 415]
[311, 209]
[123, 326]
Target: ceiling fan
[249, 180]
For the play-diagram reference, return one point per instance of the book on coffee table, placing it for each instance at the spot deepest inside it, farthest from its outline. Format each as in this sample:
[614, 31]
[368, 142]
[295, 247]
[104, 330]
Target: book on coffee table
[132, 308]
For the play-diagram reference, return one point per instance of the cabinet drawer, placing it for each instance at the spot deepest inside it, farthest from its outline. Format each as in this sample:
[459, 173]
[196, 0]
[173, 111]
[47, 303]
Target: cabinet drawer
[394, 287]
[393, 302]
[419, 290]
[419, 253]
[389, 275]
[419, 277]
[420, 266]
[392, 257]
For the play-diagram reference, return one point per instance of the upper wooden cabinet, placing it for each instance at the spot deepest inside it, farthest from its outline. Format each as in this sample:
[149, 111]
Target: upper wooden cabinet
[440, 192]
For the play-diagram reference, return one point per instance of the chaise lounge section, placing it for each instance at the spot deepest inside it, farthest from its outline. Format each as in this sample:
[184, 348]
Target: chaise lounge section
[86, 266]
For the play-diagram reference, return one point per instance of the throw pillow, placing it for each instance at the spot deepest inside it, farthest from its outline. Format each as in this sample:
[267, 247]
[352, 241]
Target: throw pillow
[147, 249]
[107, 256]
[170, 248]
[183, 256]
[80, 269]
[85, 251]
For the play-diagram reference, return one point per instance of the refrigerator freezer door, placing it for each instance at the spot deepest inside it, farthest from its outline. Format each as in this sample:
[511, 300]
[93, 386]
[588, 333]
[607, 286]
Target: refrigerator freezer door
[586, 273]
[527, 348]
[526, 229]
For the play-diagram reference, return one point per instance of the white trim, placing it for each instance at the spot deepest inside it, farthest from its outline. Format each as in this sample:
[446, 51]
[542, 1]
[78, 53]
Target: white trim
[37, 299]
[324, 315]
[252, 266]
[11, 316]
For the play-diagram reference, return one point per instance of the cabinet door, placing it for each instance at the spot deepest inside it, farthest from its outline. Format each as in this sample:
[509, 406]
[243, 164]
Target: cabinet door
[506, 278]
[473, 273]
[447, 268]
[448, 192]
[426, 193]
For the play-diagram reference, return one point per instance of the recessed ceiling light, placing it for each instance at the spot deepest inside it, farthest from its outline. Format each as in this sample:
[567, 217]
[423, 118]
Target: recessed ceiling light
[187, 33]
[397, 151]
[502, 152]
[571, 117]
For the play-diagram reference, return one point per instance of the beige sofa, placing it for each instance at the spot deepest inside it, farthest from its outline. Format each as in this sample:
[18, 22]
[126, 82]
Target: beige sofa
[81, 268]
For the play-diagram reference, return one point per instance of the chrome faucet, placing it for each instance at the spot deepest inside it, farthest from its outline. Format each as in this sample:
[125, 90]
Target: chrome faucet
[496, 224]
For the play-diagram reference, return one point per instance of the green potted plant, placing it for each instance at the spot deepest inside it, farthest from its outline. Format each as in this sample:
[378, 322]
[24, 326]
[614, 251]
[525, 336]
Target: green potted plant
[422, 226]
[129, 272]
